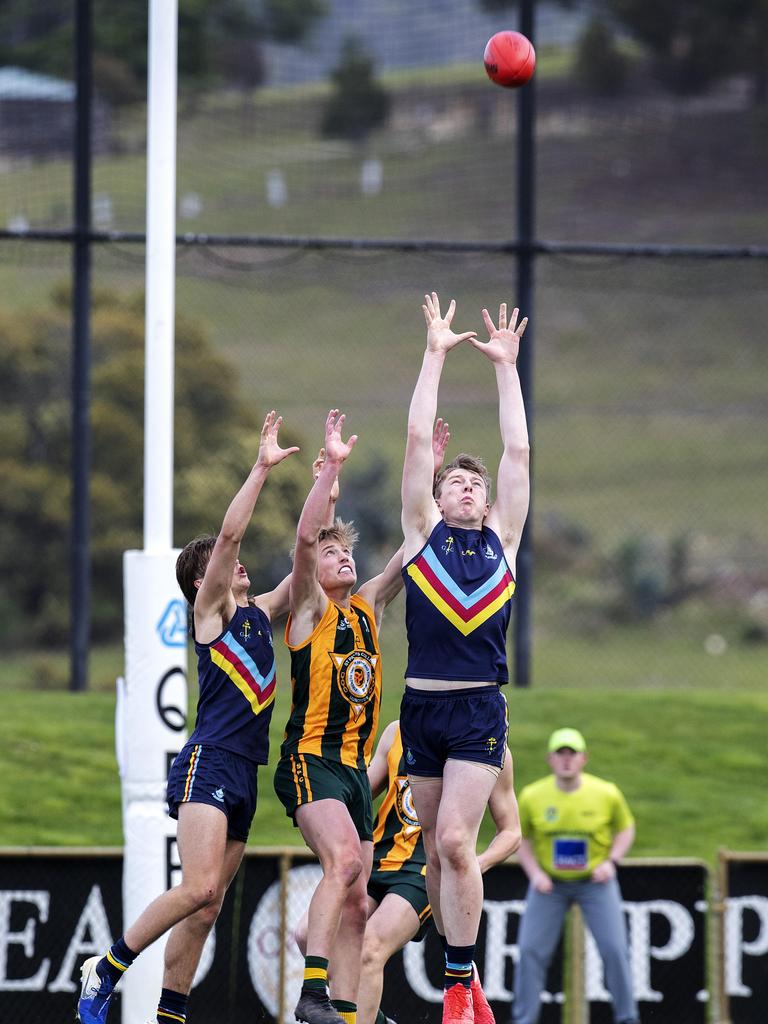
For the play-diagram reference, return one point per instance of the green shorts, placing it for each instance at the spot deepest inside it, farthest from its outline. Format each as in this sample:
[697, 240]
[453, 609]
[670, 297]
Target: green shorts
[303, 778]
[411, 886]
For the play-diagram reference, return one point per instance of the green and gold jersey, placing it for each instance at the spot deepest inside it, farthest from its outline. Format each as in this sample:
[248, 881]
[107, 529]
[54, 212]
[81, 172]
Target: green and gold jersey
[571, 833]
[336, 687]
[396, 831]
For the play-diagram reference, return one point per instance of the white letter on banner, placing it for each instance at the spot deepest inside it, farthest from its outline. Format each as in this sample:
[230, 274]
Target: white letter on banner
[496, 947]
[416, 974]
[735, 947]
[681, 934]
[26, 938]
[93, 920]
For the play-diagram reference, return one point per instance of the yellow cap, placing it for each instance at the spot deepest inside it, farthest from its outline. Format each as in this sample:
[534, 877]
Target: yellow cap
[566, 738]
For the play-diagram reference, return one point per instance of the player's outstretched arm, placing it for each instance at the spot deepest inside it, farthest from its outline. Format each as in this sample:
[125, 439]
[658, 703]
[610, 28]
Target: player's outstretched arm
[377, 769]
[307, 600]
[502, 804]
[509, 511]
[317, 465]
[441, 435]
[419, 512]
[382, 589]
[276, 603]
[214, 603]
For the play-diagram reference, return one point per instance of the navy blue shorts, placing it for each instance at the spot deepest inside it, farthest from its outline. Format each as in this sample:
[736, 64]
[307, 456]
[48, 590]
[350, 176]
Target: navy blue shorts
[460, 725]
[210, 775]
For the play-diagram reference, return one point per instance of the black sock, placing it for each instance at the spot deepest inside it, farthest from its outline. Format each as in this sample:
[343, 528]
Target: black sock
[172, 1008]
[458, 965]
[117, 961]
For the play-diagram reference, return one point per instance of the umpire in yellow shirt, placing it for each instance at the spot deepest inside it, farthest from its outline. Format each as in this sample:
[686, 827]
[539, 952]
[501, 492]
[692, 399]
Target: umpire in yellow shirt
[575, 828]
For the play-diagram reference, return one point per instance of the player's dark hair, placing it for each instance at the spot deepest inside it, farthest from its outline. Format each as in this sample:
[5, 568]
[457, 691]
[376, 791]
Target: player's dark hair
[191, 564]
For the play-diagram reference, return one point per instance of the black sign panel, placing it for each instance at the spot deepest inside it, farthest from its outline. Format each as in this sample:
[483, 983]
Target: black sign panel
[665, 912]
[413, 978]
[745, 940]
[54, 913]
[57, 910]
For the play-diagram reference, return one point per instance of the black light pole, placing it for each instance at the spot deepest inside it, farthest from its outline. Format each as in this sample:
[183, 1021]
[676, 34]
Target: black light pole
[525, 266]
[80, 563]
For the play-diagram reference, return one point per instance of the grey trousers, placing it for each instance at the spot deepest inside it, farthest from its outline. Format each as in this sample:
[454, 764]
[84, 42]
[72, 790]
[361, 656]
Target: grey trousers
[540, 930]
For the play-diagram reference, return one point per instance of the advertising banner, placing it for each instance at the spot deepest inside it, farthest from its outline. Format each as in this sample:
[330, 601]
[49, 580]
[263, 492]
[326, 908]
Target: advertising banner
[55, 911]
[665, 910]
[745, 937]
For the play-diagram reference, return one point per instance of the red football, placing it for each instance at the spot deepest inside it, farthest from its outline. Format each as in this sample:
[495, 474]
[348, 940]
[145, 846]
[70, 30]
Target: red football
[509, 59]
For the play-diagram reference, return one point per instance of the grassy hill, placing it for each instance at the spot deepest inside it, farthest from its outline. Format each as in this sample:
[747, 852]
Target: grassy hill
[651, 403]
[691, 763]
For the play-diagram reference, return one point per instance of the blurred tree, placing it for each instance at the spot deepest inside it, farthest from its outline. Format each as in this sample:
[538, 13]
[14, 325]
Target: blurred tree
[217, 437]
[599, 66]
[220, 41]
[358, 104]
[693, 43]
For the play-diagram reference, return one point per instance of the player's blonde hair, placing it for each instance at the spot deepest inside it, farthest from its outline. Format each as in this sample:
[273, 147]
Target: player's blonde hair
[344, 533]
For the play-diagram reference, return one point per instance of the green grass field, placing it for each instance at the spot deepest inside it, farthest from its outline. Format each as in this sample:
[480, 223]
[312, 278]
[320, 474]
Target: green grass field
[689, 752]
[689, 762]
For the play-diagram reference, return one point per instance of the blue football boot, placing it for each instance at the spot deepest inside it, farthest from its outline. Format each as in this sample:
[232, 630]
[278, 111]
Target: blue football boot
[95, 994]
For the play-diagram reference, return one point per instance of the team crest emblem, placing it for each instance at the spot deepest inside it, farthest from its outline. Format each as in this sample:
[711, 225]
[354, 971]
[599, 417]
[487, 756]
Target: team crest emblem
[550, 814]
[245, 632]
[406, 812]
[491, 743]
[356, 677]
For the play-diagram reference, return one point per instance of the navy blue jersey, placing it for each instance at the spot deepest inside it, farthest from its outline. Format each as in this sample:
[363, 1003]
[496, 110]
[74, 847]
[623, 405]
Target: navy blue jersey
[457, 606]
[237, 687]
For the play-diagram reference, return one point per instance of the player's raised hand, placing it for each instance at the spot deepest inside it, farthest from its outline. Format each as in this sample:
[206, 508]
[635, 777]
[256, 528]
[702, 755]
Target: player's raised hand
[440, 437]
[270, 452]
[336, 449]
[317, 465]
[503, 342]
[440, 337]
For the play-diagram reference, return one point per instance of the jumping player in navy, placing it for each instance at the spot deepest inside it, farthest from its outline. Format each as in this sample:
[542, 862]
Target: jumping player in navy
[212, 784]
[459, 566]
[398, 905]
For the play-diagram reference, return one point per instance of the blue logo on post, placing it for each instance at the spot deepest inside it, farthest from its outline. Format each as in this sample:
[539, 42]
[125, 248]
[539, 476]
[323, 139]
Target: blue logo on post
[172, 626]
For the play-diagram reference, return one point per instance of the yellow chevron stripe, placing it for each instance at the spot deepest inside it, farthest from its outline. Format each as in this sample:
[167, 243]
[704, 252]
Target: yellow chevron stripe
[465, 628]
[229, 669]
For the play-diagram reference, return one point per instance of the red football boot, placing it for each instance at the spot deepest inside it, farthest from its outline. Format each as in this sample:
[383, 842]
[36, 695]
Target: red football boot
[457, 1005]
[480, 1005]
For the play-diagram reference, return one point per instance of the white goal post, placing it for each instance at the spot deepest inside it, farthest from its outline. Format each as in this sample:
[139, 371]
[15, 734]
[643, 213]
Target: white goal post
[152, 698]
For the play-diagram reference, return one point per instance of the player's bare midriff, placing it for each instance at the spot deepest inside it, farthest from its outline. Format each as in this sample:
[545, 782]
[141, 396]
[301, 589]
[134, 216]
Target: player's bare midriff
[446, 684]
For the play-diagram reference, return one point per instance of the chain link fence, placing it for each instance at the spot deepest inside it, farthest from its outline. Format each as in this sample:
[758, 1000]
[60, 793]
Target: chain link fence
[651, 563]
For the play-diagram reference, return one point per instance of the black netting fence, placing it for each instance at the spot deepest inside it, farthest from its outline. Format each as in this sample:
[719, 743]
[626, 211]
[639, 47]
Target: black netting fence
[378, 125]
